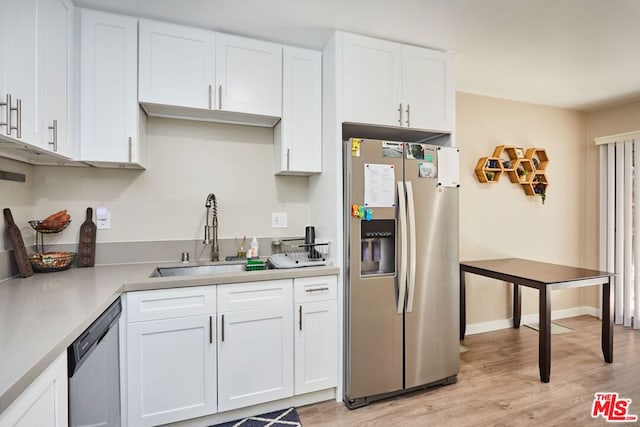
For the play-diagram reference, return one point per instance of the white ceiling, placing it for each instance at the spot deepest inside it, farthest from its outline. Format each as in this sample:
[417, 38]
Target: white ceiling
[579, 54]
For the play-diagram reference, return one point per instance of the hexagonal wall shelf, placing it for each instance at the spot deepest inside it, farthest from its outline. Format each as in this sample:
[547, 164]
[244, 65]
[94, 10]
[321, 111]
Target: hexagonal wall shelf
[524, 168]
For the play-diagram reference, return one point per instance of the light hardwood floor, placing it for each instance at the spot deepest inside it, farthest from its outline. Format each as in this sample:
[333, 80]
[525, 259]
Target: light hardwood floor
[498, 384]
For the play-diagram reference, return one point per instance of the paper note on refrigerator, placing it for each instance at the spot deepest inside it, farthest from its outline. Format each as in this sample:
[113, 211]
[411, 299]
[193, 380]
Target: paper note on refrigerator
[448, 167]
[379, 185]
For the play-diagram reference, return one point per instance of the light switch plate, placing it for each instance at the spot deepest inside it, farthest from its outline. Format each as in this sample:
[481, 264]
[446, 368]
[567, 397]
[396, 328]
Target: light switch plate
[103, 218]
[278, 220]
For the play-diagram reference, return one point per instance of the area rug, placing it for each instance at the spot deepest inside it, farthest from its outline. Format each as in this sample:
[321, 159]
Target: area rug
[555, 328]
[282, 418]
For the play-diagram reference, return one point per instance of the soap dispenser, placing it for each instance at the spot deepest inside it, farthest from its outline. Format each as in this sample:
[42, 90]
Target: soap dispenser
[254, 248]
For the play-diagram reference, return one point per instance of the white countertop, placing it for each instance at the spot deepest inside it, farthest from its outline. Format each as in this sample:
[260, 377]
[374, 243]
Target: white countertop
[42, 315]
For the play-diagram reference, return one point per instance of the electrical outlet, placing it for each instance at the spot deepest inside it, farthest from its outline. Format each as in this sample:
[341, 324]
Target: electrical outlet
[278, 220]
[103, 218]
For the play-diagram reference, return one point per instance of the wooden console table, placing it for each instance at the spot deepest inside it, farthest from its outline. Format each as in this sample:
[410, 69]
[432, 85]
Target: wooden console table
[544, 277]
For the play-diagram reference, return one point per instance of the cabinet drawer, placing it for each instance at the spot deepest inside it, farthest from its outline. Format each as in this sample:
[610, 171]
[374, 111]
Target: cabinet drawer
[249, 296]
[320, 288]
[170, 303]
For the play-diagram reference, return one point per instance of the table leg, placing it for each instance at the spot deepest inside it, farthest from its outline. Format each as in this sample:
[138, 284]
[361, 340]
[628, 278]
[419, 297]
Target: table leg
[607, 322]
[463, 306]
[544, 335]
[516, 306]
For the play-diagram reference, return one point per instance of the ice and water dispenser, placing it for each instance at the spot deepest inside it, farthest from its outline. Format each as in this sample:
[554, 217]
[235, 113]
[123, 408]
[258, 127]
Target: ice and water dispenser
[378, 247]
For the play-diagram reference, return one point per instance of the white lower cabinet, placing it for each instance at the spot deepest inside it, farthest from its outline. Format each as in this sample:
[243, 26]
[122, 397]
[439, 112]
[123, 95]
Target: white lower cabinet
[255, 353]
[192, 352]
[255, 348]
[44, 402]
[172, 370]
[316, 345]
[171, 355]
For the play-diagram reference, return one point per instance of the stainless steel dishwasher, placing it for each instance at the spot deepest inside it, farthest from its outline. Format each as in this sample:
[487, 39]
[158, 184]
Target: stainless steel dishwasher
[94, 374]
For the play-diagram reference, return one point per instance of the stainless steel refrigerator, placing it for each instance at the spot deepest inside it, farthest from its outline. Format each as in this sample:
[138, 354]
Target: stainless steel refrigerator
[401, 272]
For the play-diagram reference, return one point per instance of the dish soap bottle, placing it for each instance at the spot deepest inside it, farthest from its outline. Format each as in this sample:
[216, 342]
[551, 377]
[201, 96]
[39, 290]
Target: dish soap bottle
[254, 248]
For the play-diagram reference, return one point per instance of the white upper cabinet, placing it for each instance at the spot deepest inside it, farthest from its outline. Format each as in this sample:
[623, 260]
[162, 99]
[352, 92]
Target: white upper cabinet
[176, 65]
[391, 84]
[203, 75]
[248, 75]
[36, 45]
[108, 89]
[371, 80]
[427, 88]
[56, 24]
[298, 136]
[22, 68]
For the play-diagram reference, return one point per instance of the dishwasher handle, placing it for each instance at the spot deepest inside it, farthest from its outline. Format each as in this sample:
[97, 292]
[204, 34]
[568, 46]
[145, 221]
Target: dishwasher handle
[82, 347]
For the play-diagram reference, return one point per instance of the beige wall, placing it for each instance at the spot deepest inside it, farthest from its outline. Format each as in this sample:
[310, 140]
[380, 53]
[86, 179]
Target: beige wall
[499, 220]
[18, 196]
[186, 161]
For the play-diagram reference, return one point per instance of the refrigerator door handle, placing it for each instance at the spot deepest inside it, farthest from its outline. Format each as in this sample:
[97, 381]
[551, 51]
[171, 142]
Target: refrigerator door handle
[412, 246]
[402, 276]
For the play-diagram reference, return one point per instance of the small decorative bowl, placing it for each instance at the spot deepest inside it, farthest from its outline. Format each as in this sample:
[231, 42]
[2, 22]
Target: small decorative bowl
[51, 261]
[48, 227]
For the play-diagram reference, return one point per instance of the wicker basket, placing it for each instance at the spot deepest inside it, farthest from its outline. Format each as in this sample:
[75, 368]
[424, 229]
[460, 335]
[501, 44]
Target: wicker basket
[51, 261]
[48, 227]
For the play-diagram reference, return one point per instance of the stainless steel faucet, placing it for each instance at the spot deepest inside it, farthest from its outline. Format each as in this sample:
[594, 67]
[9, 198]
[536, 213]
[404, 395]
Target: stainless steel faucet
[212, 230]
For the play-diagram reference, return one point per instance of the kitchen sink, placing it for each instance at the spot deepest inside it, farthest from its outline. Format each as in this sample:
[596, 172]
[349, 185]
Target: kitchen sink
[198, 270]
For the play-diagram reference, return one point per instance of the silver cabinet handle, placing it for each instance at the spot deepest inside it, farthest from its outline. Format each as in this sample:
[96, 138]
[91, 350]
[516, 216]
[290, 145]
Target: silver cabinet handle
[18, 126]
[408, 115]
[300, 314]
[7, 113]
[222, 328]
[220, 97]
[317, 289]
[210, 96]
[210, 329]
[130, 150]
[288, 157]
[54, 141]
[400, 110]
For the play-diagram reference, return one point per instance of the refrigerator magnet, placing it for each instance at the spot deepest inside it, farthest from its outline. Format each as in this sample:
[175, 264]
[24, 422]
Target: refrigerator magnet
[355, 147]
[427, 170]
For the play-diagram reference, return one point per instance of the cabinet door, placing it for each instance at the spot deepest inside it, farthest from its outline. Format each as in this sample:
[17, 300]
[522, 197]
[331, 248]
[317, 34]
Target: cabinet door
[371, 80]
[44, 402]
[171, 368]
[255, 353]
[248, 75]
[316, 351]
[108, 88]
[23, 70]
[56, 24]
[176, 65]
[4, 16]
[298, 136]
[427, 89]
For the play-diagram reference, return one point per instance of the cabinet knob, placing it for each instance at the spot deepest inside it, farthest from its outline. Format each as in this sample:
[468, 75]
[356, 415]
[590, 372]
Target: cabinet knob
[408, 115]
[400, 110]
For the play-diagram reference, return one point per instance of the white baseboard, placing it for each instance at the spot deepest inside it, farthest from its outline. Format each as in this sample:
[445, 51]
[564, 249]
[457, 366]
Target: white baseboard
[495, 325]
